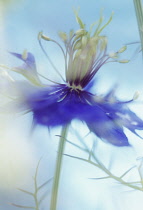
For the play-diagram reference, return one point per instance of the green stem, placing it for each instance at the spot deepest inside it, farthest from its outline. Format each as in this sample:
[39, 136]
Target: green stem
[139, 14]
[56, 180]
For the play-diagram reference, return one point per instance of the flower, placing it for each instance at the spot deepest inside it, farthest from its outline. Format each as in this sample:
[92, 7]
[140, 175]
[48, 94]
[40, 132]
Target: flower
[58, 104]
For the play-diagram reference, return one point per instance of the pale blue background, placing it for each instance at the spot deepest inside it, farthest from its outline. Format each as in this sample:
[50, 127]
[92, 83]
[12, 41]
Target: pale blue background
[22, 22]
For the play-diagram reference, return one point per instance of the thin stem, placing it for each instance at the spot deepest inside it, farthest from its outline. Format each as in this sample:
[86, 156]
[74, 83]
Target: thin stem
[36, 188]
[59, 161]
[119, 179]
[101, 166]
[36, 197]
[112, 176]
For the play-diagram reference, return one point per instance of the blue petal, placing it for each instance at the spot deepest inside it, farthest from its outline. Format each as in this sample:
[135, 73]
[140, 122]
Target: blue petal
[121, 113]
[29, 61]
[59, 105]
[90, 85]
[48, 107]
[102, 125]
[28, 69]
[130, 120]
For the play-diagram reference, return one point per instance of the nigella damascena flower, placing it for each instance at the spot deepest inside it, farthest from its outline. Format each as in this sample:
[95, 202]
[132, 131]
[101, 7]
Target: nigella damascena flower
[58, 104]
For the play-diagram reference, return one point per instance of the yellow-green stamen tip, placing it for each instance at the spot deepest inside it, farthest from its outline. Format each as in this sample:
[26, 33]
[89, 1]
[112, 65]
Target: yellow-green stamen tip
[124, 61]
[121, 50]
[136, 95]
[42, 36]
[63, 36]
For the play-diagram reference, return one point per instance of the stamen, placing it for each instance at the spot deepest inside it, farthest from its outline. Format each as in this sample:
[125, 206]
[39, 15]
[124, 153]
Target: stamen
[24, 57]
[79, 21]
[75, 87]
[48, 79]
[80, 32]
[56, 91]
[63, 36]
[49, 39]
[61, 99]
[49, 58]
[5, 67]
[101, 29]
[5, 73]
[45, 37]
[65, 58]
[124, 61]
[59, 46]
[113, 55]
[122, 49]
[99, 24]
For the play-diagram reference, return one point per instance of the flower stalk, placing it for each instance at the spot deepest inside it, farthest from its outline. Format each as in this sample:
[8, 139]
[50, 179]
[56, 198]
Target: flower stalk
[54, 197]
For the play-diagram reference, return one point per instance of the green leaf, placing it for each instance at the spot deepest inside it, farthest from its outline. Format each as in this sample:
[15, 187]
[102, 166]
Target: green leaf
[23, 207]
[106, 177]
[27, 192]
[44, 184]
[127, 171]
[43, 197]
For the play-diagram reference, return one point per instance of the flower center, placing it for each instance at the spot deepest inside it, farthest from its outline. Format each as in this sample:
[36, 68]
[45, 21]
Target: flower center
[75, 87]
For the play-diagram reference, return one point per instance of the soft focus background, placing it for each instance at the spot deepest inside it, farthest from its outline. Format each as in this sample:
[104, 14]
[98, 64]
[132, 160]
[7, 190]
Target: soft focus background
[20, 151]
